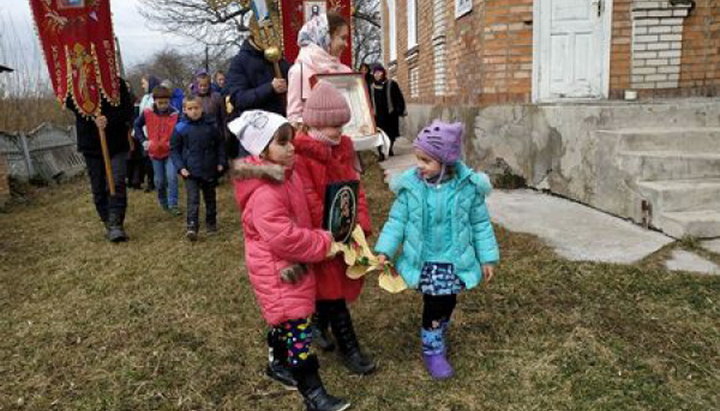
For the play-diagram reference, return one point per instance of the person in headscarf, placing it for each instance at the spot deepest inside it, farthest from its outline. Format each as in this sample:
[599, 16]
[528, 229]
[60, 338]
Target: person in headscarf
[322, 40]
[389, 104]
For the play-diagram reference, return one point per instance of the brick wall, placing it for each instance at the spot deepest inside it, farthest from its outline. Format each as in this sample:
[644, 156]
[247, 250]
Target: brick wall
[488, 53]
[620, 48]
[700, 62]
[507, 52]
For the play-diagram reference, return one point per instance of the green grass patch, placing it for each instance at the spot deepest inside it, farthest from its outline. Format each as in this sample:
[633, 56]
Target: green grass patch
[160, 323]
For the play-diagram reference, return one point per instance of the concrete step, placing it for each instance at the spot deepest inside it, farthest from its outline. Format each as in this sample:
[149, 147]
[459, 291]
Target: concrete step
[670, 165]
[682, 195]
[689, 139]
[700, 224]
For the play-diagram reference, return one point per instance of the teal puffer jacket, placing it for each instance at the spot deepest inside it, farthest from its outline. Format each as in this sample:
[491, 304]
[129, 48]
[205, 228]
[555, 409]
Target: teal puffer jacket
[474, 242]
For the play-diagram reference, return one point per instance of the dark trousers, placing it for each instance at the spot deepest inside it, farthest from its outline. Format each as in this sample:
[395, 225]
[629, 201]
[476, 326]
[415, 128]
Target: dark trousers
[108, 207]
[148, 174]
[194, 187]
[437, 309]
[134, 169]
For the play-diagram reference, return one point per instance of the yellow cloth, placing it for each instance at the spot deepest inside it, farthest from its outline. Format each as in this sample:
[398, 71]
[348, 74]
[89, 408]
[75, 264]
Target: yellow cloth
[361, 261]
[391, 282]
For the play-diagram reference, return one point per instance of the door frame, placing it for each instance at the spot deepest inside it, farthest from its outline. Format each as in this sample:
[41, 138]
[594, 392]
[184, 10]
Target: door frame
[541, 8]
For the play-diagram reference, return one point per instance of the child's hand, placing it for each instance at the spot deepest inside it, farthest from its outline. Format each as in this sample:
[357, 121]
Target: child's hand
[488, 271]
[184, 172]
[335, 249]
[382, 260]
[220, 168]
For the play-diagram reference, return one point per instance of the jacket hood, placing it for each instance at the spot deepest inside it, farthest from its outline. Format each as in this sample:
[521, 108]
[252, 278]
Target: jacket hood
[152, 83]
[250, 173]
[320, 61]
[410, 181]
[247, 47]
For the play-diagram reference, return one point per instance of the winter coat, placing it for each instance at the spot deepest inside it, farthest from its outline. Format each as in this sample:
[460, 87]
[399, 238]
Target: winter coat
[147, 100]
[176, 99]
[196, 145]
[159, 128]
[319, 165]
[466, 219]
[116, 133]
[249, 82]
[310, 61]
[389, 104]
[277, 227]
[214, 109]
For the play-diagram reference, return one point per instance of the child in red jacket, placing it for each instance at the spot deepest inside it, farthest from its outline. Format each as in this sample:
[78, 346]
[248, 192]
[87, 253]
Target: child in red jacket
[326, 156]
[279, 235]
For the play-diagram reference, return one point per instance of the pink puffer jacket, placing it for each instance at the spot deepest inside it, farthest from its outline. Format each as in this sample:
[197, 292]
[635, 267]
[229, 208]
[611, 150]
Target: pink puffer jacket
[277, 226]
[310, 61]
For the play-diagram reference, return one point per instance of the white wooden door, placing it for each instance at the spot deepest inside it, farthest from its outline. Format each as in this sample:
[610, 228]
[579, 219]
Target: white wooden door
[571, 49]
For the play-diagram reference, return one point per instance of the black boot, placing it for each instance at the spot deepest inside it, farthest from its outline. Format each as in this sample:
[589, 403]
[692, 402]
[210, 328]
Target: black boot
[353, 358]
[311, 388]
[115, 231]
[277, 360]
[321, 323]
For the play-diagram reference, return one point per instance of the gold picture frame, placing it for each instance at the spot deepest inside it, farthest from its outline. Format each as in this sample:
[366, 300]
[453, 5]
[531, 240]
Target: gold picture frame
[352, 86]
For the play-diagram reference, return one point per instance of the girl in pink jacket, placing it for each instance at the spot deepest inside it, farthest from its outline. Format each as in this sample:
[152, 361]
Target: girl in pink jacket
[322, 40]
[278, 240]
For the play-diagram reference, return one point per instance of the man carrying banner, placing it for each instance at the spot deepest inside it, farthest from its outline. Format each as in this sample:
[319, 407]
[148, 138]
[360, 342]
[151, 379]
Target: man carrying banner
[115, 121]
[79, 47]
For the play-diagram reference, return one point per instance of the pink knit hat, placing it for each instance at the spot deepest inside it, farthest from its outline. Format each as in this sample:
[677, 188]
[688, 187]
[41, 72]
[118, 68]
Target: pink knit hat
[325, 107]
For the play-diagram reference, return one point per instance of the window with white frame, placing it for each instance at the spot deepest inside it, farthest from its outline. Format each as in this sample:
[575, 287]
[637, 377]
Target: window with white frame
[411, 23]
[392, 31]
[463, 7]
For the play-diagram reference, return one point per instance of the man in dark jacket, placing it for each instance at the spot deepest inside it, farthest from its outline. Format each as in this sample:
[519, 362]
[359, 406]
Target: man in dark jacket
[116, 121]
[251, 84]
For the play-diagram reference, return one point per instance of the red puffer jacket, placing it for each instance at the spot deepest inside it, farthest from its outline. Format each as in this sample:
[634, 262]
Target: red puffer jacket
[319, 164]
[278, 234]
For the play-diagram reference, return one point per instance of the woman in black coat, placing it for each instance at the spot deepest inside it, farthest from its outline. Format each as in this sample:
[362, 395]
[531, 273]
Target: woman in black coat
[389, 104]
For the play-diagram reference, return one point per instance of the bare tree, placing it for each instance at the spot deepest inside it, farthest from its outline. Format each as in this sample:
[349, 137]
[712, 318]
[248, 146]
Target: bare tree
[218, 24]
[221, 24]
[166, 64]
[367, 38]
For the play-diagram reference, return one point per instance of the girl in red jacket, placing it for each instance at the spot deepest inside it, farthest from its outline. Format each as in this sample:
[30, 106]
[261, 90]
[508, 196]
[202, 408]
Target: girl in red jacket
[278, 238]
[326, 156]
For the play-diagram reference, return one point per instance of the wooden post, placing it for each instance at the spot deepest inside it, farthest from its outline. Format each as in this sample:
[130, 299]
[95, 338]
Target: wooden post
[106, 157]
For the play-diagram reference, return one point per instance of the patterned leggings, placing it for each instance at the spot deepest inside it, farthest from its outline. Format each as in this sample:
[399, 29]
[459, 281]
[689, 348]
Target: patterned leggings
[297, 336]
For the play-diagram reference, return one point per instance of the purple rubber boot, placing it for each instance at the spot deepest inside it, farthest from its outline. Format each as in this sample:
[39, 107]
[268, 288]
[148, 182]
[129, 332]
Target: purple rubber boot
[433, 346]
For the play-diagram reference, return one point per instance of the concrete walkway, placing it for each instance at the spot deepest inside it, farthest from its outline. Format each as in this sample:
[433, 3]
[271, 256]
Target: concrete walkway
[575, 231]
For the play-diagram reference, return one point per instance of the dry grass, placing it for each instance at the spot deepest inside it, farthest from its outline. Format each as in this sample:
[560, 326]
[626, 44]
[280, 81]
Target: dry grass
[24, 114]
[159, 323]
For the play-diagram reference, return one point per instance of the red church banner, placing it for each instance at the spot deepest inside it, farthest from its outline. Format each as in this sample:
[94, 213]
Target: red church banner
[296, 12]
[77, 39]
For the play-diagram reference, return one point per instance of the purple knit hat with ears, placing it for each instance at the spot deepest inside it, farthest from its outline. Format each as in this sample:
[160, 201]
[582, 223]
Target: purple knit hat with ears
[441, 141]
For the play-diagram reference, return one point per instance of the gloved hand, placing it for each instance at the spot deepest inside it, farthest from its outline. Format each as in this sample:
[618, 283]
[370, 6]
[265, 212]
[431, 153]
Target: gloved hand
[293, 274]
[146, 145]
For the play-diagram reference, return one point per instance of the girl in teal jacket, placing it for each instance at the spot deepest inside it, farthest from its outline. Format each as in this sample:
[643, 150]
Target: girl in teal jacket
[448, 244]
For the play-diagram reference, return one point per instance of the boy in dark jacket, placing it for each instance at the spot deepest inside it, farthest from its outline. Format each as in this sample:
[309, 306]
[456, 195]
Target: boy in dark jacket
[198, 152]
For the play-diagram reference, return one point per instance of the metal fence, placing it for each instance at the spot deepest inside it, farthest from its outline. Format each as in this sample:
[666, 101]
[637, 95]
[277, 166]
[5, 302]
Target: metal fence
[48, 152]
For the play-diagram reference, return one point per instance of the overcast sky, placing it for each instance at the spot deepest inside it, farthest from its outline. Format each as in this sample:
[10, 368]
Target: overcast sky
[19, 47]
